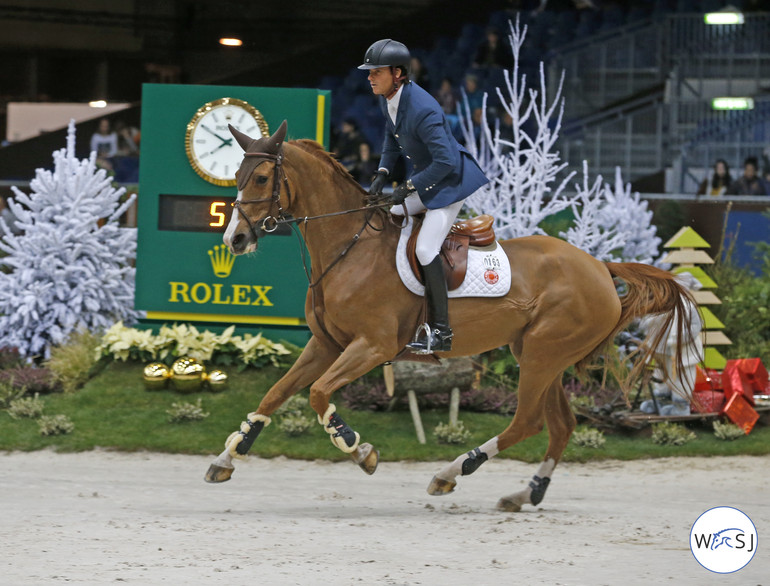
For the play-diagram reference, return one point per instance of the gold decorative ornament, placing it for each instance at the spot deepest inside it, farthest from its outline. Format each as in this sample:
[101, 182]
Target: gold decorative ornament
[155, 376]
[217, 380]
[187, 374]
[211, 149]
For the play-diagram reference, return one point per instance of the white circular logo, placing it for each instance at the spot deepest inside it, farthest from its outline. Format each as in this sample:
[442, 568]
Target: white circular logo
[723, 540]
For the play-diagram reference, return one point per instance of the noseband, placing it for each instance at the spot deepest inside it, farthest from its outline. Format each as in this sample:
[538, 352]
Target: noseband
[270, 223]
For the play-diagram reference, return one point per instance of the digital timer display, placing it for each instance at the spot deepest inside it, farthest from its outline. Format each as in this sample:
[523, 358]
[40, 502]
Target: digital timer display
[193, 213]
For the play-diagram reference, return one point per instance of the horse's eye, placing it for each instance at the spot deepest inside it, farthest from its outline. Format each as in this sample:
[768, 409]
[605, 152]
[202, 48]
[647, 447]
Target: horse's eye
[261, 179]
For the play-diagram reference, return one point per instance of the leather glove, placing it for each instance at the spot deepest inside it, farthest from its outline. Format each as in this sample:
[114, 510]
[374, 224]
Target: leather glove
[399, 194]
[378, 182]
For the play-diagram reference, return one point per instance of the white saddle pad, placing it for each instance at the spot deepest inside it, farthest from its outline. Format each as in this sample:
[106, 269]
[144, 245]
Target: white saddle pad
[488, 273]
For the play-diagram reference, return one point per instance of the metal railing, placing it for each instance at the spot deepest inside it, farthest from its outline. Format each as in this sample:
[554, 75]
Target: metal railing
[694, 62]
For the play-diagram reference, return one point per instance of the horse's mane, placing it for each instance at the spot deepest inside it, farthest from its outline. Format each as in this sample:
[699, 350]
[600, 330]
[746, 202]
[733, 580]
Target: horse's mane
[317, 150]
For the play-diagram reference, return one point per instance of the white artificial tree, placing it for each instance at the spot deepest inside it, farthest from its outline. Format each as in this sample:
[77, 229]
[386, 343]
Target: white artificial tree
[629, 214]
[590, 231]
[524, 189]
[71, 264]
[524, 170]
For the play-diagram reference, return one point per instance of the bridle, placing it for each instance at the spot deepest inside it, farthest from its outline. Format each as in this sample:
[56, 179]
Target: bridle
[271, 222]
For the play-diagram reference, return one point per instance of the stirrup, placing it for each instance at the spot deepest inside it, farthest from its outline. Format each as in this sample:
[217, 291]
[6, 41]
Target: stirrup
[435, 341]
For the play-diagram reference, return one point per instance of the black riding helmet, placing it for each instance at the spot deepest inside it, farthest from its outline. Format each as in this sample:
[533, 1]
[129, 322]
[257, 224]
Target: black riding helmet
[387, 52]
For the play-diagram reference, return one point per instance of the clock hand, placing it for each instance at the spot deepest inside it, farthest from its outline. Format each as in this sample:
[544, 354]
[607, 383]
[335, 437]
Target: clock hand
[228, 142]
[207, 129]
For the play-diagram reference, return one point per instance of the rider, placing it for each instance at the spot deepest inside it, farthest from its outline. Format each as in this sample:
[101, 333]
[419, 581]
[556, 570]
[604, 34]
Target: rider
[441, 174]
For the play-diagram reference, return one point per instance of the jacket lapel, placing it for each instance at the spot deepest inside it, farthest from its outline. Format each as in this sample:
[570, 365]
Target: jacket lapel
[384, 108]
[400, 113]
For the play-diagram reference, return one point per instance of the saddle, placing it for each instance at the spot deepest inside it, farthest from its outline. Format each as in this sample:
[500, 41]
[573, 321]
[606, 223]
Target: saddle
[477, 232]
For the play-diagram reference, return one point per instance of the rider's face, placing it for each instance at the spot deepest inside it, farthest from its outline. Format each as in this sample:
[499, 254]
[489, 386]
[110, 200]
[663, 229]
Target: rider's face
[381, 80]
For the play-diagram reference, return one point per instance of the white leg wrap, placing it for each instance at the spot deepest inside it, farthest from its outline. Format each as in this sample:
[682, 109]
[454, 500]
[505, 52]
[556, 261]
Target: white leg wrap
[546, 468]
[236, 437]
[451, 471]
[524, 497]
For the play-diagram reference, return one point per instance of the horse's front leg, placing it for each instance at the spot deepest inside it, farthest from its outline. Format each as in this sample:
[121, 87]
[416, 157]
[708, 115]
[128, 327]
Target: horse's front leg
[314, 360]
[359, 357]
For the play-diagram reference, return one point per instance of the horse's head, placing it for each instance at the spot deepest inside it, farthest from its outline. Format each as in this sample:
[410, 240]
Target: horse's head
[259, 181]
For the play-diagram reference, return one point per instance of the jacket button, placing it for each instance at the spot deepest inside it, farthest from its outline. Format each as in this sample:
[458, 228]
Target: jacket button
[396, 136]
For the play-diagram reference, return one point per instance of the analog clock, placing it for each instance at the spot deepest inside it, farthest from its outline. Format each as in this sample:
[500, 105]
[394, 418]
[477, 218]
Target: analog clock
[211, 149]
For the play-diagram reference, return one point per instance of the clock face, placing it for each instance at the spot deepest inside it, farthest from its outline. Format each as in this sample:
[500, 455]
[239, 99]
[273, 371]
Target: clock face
[213, 152]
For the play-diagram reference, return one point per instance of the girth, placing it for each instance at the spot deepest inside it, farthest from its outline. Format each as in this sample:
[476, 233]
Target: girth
[476, 232]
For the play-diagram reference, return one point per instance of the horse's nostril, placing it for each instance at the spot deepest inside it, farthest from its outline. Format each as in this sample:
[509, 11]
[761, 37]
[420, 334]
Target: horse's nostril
[238, 240]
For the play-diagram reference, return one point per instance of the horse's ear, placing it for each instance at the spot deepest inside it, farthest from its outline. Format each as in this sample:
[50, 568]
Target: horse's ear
[277, 139]
[243, 140]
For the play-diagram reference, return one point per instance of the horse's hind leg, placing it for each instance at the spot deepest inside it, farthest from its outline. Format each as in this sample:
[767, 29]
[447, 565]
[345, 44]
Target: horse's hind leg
[528, 421]
[561, 423]
[314, 360]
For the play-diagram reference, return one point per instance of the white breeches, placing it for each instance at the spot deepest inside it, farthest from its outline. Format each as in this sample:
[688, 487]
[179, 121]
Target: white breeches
[435, 226]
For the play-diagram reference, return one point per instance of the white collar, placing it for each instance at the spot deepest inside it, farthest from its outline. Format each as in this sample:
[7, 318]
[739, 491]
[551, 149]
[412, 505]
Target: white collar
[393, 104]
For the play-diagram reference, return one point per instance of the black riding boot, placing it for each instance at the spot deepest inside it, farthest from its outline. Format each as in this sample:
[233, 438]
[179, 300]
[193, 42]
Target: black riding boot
[437, 337]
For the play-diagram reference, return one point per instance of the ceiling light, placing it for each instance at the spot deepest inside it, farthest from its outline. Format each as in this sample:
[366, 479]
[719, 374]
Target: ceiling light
[732, 104]
[230, 42]
[724, 18]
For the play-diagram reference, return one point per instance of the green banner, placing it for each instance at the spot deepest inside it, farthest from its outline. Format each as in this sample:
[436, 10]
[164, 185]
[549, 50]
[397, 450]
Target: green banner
[184, 272]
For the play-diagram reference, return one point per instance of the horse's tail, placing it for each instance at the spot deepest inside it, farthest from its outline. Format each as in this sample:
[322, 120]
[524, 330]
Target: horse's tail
[649, 290]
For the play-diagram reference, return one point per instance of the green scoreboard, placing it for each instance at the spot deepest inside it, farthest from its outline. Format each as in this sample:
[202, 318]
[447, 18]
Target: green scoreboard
[186, 184]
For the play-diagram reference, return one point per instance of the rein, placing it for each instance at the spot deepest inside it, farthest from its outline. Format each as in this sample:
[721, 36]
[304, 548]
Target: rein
[271, 223]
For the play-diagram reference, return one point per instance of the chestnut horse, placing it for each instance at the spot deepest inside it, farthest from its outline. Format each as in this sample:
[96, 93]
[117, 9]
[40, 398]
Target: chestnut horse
[562, 308]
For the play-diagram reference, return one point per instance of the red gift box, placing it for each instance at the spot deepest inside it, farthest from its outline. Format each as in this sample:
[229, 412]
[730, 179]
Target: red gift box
[707, 401]
[755, 372]
[740, 412]
[707, 379]
[735, 381]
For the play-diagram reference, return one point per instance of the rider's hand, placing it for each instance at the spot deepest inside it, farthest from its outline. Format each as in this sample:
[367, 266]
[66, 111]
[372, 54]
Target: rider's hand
[378, 182]
[399, 194]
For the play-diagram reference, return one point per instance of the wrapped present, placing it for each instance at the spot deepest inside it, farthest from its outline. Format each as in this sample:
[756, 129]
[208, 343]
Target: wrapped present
[707, 401]
[755, 372]
[735, 381]
[707, 379]
[738, 410]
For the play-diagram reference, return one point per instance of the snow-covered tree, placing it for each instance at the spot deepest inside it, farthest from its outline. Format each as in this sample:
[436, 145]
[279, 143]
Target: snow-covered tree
[523, 171]
[629, 214]
[610, 224]
[71, 265]
[590, 231]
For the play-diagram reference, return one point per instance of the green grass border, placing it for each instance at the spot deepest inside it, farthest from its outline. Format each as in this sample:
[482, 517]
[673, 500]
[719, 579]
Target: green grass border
[114, 411]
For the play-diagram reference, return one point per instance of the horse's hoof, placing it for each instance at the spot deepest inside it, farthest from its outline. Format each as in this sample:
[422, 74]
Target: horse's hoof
[439, 486]
[508, 505]
[218, 474]
[367, 458]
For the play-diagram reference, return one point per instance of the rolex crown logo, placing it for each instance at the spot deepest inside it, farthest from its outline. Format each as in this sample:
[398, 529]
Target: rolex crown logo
[221, 260]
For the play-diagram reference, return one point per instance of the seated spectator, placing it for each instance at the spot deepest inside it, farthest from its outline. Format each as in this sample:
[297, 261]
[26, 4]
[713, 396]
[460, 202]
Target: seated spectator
[128, 139]
[749, 183]
[104, 142]
[446, 96]
[348, 141]
[418, 73]
[364, 168]
[474, 94]
[493, 52]
[720, 180]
